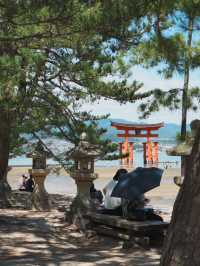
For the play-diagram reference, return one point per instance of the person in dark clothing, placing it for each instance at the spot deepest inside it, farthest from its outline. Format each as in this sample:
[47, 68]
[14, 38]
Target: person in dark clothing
[136, 210]
[23, 185]
[29, 184]
[96, 194]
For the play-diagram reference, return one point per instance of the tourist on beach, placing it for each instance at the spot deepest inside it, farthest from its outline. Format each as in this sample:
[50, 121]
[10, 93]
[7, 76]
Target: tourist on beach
[23, 185]
[30, 184]
[134, 210]
[113, 205]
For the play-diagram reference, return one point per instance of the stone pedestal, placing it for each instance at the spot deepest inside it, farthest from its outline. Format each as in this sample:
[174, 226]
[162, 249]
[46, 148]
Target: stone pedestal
[84, 182]
[40, 197]
[83, 155]
[82, 203]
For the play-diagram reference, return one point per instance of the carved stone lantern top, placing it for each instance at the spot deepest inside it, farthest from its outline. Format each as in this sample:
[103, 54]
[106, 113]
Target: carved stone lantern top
[85, 150]
[39, 156]
[185, 148]
[84, 155]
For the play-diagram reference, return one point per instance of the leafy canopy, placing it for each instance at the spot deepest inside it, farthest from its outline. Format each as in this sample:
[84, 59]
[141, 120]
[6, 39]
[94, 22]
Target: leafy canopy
[55, 55]
[171, 46]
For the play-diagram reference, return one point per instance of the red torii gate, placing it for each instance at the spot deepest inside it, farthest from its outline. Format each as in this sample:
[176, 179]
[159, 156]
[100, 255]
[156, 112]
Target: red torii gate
[132, 130]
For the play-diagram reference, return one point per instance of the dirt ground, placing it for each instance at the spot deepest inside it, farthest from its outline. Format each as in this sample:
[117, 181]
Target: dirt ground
[35, 238]
[43, 238]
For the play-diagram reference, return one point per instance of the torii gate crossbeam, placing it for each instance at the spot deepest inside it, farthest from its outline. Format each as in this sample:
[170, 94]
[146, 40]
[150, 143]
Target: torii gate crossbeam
[132, 130]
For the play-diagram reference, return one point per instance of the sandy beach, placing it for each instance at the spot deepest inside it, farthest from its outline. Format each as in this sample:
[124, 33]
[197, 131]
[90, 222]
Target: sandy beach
[160, 198]
[64, 184]
[36, 238]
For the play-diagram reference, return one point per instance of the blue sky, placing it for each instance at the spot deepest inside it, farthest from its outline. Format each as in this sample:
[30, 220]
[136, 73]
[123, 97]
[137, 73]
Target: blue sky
[151, 80]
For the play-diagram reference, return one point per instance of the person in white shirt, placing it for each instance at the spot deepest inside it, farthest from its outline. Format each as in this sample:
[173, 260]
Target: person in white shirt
[112, 205]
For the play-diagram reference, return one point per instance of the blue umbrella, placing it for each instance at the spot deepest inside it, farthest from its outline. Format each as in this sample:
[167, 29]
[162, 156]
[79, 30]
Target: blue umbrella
[132, 185]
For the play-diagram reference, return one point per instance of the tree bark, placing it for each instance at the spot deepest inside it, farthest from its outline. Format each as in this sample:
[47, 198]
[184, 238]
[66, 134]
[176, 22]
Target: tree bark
[4, 156]
[185, 88]
[183, 239]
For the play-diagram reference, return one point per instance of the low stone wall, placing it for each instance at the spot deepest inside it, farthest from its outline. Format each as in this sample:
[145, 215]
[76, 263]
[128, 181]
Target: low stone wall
[23, 200]
[20, 200]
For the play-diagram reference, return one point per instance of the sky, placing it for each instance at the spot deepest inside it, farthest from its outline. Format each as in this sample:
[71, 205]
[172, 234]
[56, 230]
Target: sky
[151, 79]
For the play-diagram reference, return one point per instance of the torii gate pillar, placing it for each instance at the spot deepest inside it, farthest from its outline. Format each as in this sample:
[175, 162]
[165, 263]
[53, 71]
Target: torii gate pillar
[150, 149]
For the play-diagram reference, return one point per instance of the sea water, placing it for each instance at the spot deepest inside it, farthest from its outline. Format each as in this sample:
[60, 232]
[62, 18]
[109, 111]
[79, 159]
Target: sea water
[164, 160]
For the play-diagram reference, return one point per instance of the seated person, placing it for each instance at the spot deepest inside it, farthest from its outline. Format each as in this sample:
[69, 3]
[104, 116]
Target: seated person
[96, 194]
[113, 205]
[23, 185]
[135, 210]
[30, 184]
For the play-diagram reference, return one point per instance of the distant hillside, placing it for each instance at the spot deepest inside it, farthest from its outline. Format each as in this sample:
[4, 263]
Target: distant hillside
[169, 131]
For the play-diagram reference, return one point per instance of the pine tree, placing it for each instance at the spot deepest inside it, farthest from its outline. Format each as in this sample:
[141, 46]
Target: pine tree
[182, 242]
[53, 56]
[172, 46]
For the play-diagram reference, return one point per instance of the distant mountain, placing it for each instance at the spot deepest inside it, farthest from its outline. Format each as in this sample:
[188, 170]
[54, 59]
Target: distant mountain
[169, 131]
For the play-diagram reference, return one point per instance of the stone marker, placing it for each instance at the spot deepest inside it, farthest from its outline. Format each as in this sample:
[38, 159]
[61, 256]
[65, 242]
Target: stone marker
[40, 199]
[83, 156]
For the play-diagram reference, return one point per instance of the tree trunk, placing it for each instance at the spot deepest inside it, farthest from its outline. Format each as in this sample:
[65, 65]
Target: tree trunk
[186, 87]
[4, 156]
[183, 239]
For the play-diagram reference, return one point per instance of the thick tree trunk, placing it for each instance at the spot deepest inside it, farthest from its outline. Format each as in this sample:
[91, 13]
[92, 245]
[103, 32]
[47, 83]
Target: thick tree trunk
[185, 88]
[183, 240]
[4, 156]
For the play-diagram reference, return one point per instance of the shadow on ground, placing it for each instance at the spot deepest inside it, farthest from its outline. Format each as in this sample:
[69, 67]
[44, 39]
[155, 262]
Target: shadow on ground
[33, 238]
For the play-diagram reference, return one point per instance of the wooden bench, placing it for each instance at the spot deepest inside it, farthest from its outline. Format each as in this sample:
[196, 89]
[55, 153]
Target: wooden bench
[128, 230]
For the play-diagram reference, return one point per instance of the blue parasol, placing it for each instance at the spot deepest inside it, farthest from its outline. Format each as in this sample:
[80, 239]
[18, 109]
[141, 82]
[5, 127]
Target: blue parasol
[132, 185]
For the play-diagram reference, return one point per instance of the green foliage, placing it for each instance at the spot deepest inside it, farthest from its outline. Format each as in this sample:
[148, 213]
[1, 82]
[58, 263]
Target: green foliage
[55, 55]
[172, 46]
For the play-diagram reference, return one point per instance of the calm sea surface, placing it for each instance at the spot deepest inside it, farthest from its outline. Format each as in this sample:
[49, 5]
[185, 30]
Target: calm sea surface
[138, 160]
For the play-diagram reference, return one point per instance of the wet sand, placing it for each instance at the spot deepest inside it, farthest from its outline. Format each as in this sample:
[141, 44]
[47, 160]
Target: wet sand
[64, 184]
[43, 238]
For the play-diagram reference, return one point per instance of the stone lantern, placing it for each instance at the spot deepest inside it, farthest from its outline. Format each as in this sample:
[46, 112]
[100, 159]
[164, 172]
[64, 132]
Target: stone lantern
[184, 149]
[39, 172]
[84, 156]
